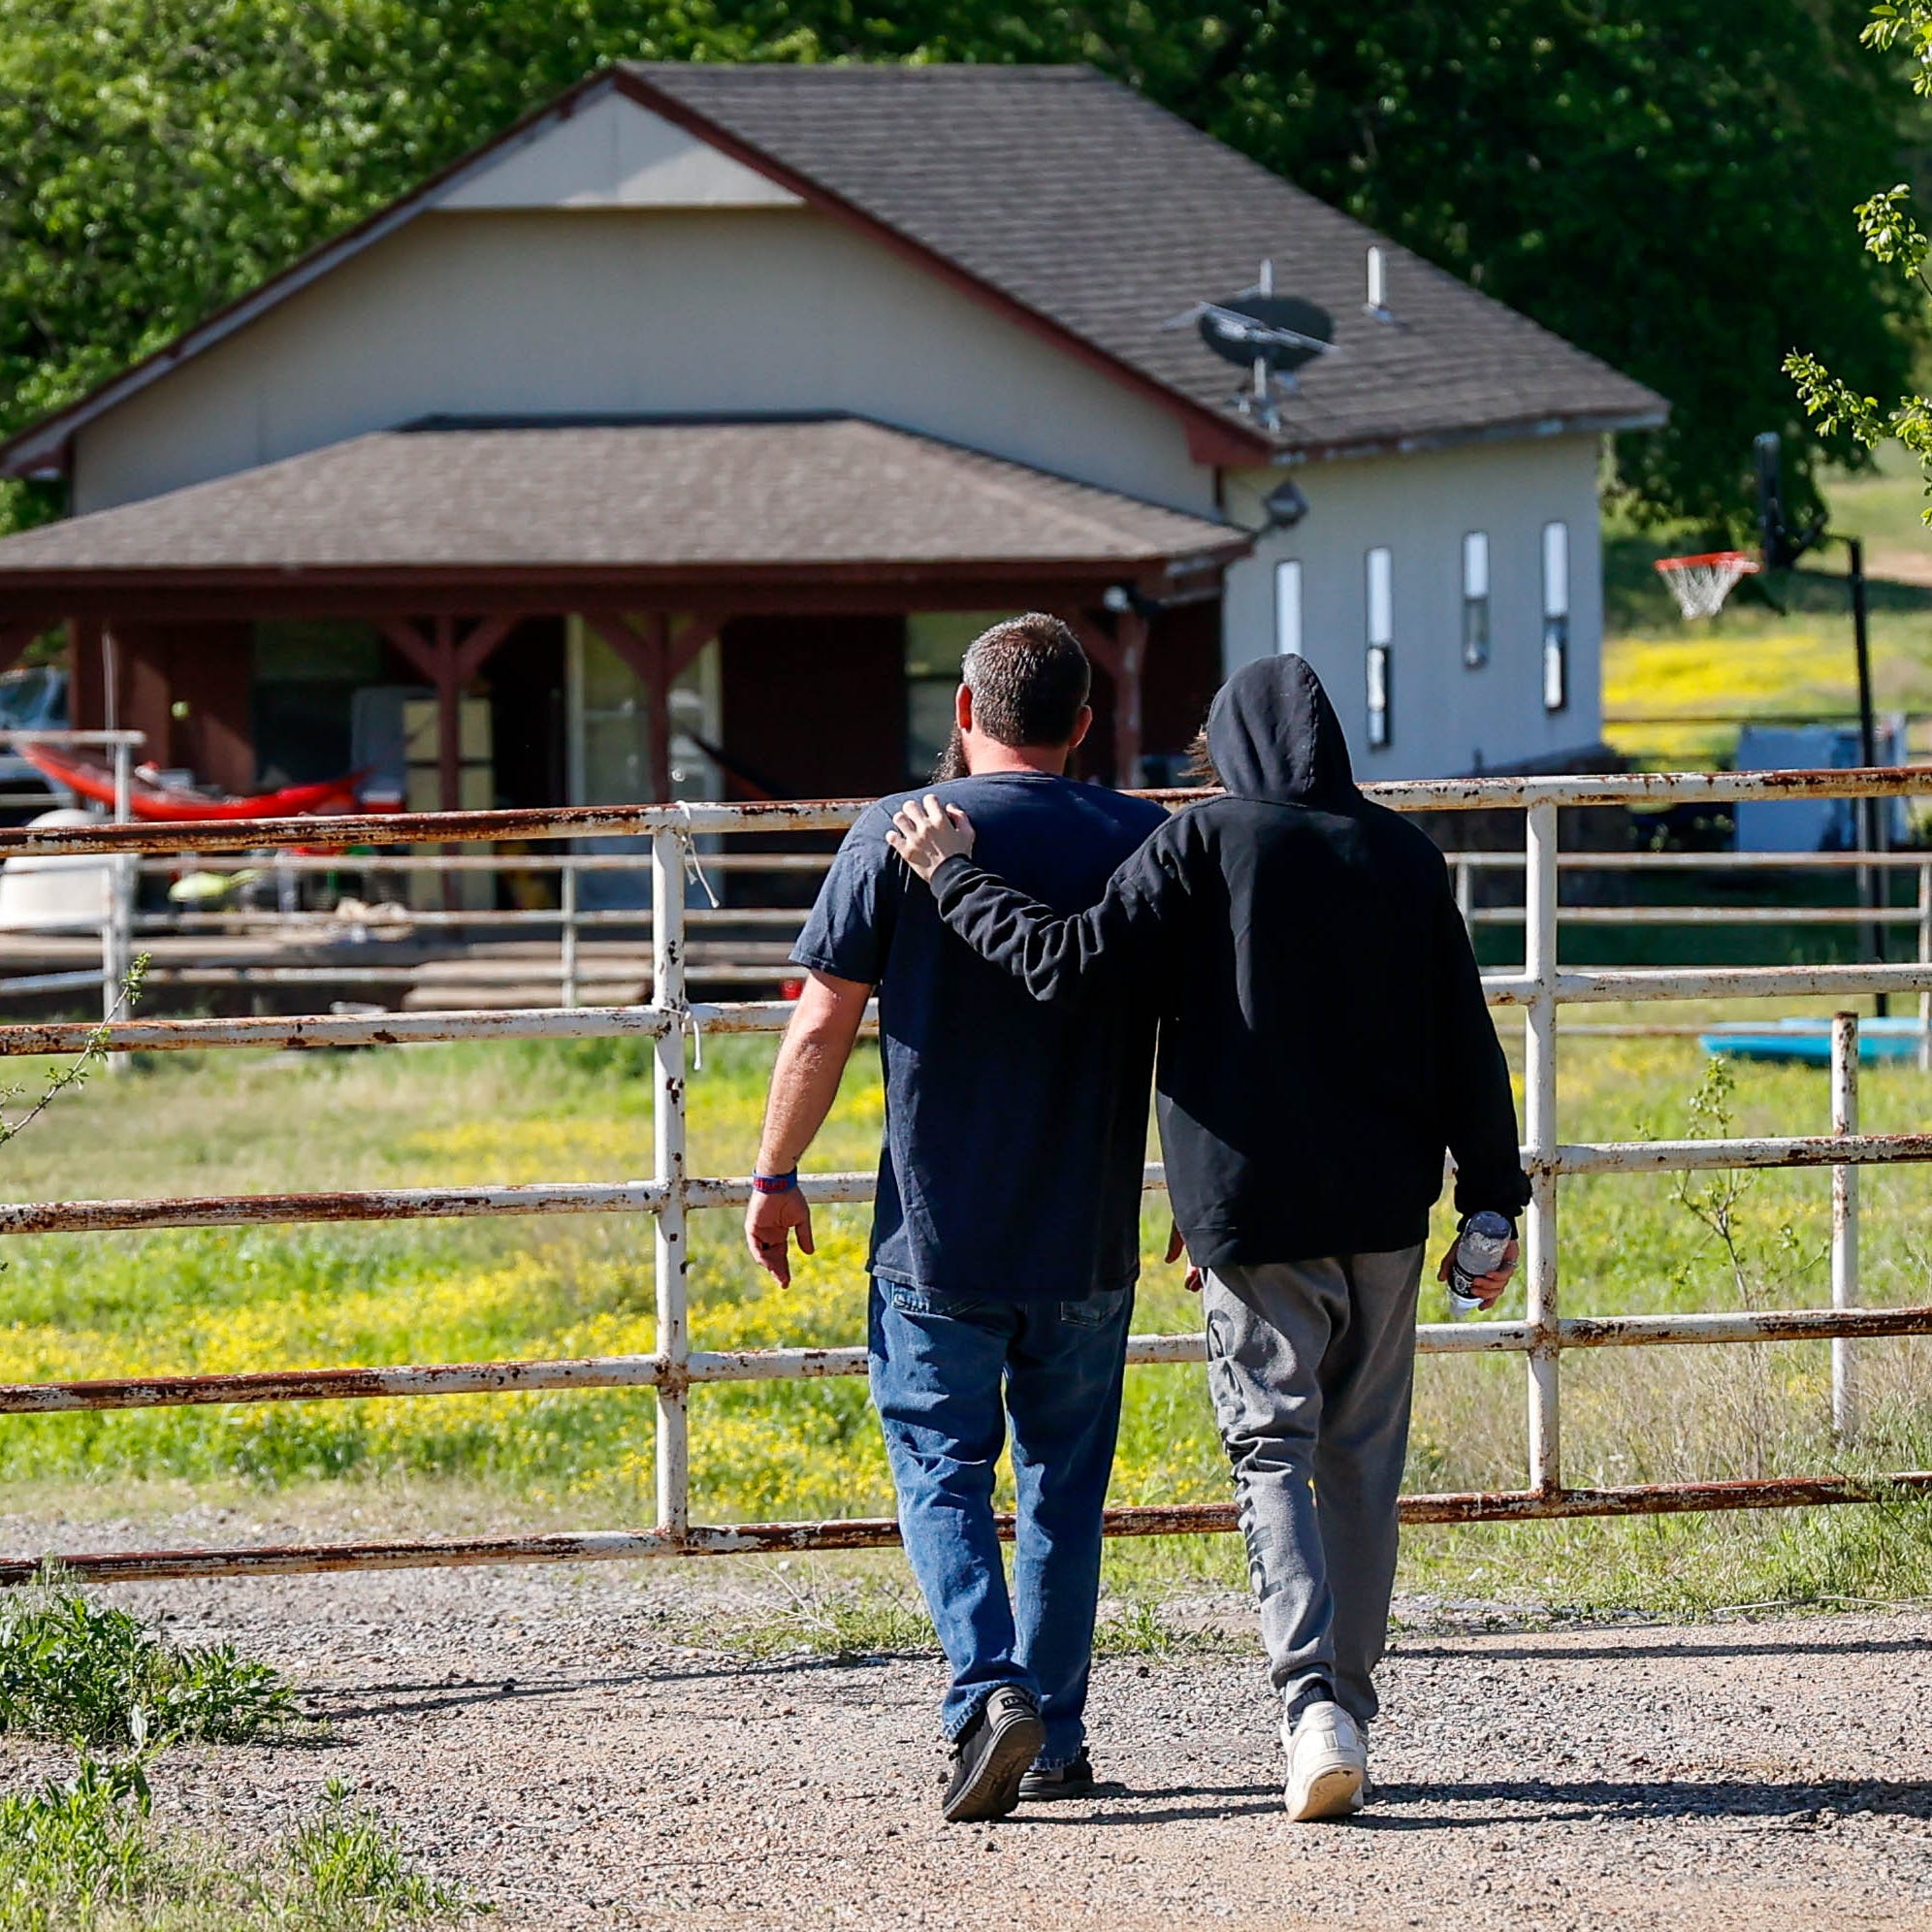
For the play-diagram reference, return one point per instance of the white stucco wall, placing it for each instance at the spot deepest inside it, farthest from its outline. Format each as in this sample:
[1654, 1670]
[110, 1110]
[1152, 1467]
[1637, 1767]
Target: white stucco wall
[1446, 719]
[615, 310]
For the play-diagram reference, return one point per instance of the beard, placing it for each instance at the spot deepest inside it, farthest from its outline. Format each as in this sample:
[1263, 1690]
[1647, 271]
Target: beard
[951, 762]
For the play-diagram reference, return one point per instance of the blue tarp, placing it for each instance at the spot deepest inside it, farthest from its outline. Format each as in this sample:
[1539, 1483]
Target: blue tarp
[1808, 1042]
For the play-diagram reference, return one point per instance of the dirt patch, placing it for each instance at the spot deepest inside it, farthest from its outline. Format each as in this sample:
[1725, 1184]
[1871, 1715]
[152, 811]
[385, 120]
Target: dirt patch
[562, 1744]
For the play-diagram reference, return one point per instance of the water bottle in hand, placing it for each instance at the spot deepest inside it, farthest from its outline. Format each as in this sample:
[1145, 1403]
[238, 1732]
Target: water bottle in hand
[1479, 1250]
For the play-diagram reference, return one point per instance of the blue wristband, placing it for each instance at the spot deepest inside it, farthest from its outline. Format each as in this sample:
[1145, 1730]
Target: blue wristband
[775, 1183]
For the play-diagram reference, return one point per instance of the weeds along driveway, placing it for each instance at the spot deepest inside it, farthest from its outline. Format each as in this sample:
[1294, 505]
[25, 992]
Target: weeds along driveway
[567, 1746]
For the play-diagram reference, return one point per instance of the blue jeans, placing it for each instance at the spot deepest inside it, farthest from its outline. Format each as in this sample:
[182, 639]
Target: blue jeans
[937, 1363]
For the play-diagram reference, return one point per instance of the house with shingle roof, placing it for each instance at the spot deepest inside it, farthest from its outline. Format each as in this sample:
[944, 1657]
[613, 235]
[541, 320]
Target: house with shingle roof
[676, 441]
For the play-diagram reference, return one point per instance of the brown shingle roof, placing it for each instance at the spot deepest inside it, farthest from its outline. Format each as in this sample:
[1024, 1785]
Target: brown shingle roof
[1084, 202]
[800, 493]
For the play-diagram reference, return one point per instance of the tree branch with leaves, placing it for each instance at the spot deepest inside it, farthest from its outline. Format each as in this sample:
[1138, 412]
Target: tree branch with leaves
[1890, 228]
[70, 1075]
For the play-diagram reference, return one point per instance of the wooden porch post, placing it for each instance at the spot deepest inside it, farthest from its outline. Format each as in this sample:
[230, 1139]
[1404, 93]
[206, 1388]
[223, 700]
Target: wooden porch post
[655, 656]
[86, 702]
[111, 676]
[449, 662]
[659, 655]
[449, 716]
[1122, 656]
[1130, 637]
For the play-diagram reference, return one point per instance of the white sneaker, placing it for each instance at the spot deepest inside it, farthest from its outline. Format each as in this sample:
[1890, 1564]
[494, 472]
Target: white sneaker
[1328, 1764]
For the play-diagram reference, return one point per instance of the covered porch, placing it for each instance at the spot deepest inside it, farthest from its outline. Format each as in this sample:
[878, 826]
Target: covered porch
[486, 612]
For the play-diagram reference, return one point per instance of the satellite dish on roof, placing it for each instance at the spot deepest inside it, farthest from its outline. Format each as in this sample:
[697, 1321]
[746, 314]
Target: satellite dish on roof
[1269, 335]
[1280, 330]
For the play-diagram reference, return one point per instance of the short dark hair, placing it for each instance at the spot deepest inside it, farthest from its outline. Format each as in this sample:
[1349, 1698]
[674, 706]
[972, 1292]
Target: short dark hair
[1029, 678]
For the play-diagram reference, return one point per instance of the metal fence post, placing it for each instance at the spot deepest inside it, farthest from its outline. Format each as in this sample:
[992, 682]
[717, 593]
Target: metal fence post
[569, 895]
[1925, 960]
[109, 939]
[1540, 1097]
[1844, 1221]
[1465, 897]
[667, 1114]
[123, 783]
[117, 923]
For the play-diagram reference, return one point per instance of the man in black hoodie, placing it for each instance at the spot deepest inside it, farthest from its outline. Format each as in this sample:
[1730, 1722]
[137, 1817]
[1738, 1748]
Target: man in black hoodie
[1324, 1039]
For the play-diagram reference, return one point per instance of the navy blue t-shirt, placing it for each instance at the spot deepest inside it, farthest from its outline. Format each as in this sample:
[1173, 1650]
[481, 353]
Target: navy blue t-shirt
[1015, 1132]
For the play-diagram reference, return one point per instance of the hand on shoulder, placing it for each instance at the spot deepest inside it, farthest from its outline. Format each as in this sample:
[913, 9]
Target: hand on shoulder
[926, 835]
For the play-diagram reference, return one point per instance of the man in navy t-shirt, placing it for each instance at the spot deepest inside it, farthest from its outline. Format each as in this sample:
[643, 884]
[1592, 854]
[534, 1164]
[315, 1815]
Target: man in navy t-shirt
[1006, 1237]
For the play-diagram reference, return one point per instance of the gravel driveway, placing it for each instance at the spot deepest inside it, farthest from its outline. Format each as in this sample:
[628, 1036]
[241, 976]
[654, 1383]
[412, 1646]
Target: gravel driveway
[561, 1744]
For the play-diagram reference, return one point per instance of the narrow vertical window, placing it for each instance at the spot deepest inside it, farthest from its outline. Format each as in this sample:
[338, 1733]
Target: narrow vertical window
[1477, 599]
[1288, 609]
[1381, 637]
[1556, 616]
[1378, 696]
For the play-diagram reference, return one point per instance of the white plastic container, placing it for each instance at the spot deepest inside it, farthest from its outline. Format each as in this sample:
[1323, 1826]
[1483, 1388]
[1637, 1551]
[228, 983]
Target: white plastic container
[58, 892]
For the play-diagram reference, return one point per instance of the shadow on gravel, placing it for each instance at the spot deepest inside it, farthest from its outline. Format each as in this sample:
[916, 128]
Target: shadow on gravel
[1158, 1806]
[1624, 1648]
[421, 1699]
[799, 1665]
[1794, 1805]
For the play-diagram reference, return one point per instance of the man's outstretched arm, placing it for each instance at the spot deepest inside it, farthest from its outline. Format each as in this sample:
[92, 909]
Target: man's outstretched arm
[1053, 956]
[804, 1083]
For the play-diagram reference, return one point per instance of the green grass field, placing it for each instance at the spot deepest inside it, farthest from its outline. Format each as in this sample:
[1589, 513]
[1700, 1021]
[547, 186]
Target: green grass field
[217, 1299]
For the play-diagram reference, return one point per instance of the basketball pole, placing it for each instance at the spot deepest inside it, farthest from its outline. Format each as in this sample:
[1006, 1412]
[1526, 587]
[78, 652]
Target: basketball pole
[1782, 548]
[1871, 827]
[1861, 639]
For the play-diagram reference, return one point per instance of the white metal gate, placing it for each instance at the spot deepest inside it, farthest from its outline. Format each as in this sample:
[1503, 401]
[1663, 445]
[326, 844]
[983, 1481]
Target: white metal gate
[671, 1194]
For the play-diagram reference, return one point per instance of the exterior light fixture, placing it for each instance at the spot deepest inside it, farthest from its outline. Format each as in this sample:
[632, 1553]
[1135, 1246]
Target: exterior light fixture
[1284, 505]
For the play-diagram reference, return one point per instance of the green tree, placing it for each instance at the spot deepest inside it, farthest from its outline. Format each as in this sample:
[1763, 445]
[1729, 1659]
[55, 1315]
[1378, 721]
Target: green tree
[160, 157]
[1661, 180]
[1888, 226]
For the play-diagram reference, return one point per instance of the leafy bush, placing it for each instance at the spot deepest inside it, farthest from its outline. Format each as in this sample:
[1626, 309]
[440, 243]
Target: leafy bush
[85, 1856]
[96, 1677]
[68, 1850]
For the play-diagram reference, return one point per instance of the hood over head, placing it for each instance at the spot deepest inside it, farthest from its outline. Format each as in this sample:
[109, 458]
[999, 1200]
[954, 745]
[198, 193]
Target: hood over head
[1273, 735]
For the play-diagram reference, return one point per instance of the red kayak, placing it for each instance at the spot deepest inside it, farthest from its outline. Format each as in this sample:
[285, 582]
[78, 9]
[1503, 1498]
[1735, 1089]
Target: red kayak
[169, 805]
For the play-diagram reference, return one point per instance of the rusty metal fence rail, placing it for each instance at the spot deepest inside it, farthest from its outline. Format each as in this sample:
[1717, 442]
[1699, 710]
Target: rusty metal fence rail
[749, 943]
[671, 1194]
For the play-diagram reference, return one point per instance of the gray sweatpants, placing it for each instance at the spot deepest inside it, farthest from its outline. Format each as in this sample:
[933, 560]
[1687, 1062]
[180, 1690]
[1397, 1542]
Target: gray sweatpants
[1312, 1364]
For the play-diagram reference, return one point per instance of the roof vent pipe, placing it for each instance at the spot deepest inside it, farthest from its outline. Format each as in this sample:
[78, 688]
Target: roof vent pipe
[1377, 303]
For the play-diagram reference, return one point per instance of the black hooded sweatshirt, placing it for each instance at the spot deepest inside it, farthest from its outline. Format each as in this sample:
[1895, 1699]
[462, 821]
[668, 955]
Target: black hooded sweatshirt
[1323, 1031]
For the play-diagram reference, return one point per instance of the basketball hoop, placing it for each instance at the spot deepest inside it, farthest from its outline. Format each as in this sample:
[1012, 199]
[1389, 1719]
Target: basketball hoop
[1701, 584]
